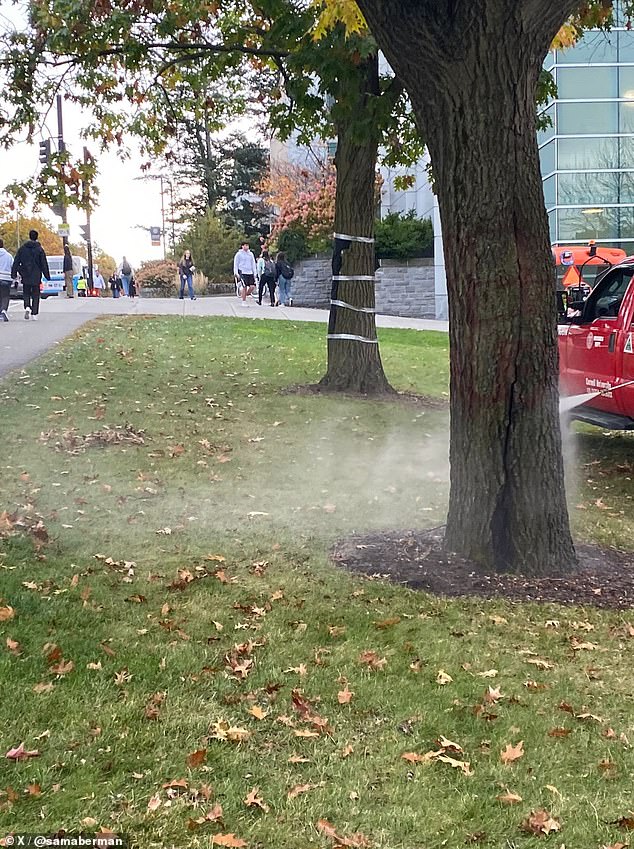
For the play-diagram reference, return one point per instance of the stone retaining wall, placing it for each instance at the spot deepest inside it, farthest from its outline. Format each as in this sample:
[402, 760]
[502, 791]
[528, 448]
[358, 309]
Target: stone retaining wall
[403, 287]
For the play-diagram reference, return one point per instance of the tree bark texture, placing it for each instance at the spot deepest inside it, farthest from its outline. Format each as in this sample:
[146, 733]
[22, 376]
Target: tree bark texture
[355, 366]
[471, 70]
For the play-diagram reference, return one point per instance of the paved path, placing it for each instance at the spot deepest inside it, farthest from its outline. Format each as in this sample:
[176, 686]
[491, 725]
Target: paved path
[22, 341]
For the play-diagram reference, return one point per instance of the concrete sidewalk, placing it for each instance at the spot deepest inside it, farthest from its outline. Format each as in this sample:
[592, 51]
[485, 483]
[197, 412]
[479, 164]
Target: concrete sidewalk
[22, 341]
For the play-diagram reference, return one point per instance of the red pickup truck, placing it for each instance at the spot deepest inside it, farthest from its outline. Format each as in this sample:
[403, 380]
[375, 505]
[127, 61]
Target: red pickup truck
[596, 350]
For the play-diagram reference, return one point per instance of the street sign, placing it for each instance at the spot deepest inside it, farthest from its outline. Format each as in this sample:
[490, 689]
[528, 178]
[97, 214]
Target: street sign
[155, 235]
[63, 230]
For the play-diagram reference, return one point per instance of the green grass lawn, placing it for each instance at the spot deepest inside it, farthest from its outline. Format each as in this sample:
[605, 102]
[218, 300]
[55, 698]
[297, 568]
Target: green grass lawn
[188, 665]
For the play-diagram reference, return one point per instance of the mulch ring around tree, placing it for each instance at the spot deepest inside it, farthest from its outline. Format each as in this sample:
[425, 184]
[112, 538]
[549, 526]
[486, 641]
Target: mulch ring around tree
[605, 577]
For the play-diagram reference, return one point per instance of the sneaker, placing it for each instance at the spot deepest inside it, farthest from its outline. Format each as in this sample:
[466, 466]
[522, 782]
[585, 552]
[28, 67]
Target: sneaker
[290, 302]
[244, 304]
[193, 299]
[33, 318]
[4, 316]
[27, 313]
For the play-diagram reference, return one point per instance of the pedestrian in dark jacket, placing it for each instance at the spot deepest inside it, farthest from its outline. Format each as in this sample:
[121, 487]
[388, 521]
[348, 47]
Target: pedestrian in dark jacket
[186, 271]
[68, 272]
[283, 275]
[31, 264]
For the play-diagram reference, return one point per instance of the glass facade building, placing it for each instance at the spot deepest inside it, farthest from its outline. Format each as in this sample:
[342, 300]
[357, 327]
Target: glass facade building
[587, 153]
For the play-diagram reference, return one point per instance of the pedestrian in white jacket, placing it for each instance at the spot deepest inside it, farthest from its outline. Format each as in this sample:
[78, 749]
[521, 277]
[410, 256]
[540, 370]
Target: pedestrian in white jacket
[244, 270]
[6, 262]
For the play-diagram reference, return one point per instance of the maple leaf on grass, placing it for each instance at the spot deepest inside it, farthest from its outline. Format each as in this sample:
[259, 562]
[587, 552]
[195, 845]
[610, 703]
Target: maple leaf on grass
[19, 753]
[196, 758]
[254, 800]
[6, 613]
[509, 798]
[540, 822]
[512, 753]
[213, 815]
[344, 696]
[372, 660]
[227, 840]
[353, 841]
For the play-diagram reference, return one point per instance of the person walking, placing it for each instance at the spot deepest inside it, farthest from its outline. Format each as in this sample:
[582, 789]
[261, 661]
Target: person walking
[99, 284]
[245, 269]
[6, 264]
[186, 269]
[68, 272]
[115, 284]
[266, 276]
[31, 264]
[125, 273]
[284, 274]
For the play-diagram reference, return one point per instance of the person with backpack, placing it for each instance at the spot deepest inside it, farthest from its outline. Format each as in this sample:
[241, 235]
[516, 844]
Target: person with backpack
[284, 274]
[185, 272]
[31, 264]
[266, 276]
[125, 273]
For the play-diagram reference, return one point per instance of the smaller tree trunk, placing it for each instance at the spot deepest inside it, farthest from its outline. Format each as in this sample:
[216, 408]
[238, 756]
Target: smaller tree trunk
[353, 365]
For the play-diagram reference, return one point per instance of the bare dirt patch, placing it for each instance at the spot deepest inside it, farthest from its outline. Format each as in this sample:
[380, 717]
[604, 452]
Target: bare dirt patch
[411, 398]
[605, 577]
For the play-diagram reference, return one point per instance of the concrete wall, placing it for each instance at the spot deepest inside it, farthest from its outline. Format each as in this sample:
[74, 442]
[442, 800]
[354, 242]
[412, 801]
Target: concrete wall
[403, 287]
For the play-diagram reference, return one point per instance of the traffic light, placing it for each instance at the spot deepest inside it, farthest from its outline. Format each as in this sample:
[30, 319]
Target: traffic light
[45, 151]
[84, 229]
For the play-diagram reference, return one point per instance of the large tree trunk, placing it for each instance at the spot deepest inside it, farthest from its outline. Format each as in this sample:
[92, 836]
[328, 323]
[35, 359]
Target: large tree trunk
[471, 71]
[354, 364]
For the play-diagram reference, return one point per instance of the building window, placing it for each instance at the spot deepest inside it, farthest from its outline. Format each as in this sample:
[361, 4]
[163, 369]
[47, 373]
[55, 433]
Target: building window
[547, 158]
[548, 132]
[581, 154]
[579, 118]
[593, 188]
[626, 46]
[586, 83]
[586, 223]
[592, 48]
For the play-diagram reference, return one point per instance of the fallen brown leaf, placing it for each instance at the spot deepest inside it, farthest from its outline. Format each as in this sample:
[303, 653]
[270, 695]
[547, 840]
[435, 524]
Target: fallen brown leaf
[19, 753]
[254, 800]
[6, 613]
[372, 660]
[540, 822]
[344, 696]
[354, 841]
[512, 753]
[196, 758]
[227, 840]
[509, 798]
[301, 788]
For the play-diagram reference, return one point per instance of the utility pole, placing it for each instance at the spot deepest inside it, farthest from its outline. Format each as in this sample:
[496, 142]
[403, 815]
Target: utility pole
[87, 236]
[163, 218]
[172, 214]
[61, 148]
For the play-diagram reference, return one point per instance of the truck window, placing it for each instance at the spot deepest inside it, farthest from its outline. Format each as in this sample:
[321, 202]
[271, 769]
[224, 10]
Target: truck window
[606, 299]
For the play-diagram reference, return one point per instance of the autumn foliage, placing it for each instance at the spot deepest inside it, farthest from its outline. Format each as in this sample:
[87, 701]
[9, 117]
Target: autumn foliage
[304, 200]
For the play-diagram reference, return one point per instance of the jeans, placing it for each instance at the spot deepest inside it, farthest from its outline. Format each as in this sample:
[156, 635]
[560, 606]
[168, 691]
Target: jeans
[190, 285]
[284, 294]
[125, 279]
[32, 297]
[5, 291]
